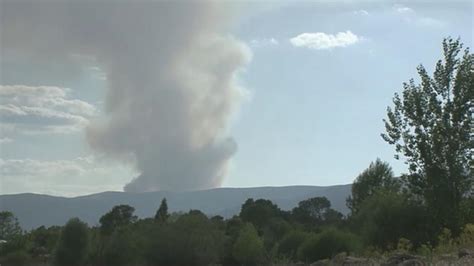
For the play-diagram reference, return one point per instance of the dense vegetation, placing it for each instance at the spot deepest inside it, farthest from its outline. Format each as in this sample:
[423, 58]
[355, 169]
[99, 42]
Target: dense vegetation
[426, 211]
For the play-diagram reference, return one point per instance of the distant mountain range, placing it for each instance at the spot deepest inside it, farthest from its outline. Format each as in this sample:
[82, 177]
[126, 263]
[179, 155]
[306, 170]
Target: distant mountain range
[34, 210]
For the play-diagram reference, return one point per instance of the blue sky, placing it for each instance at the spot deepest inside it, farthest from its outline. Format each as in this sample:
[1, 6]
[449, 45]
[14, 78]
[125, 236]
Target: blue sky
[315, 93]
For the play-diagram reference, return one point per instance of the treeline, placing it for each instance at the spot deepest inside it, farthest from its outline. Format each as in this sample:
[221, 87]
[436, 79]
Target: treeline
[261, 234]
[428, 211]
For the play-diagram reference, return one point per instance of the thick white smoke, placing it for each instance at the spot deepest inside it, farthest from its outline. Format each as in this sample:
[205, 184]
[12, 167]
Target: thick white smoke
[171, 76]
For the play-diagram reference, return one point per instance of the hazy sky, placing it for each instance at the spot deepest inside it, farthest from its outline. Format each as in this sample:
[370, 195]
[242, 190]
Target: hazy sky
[279, 93]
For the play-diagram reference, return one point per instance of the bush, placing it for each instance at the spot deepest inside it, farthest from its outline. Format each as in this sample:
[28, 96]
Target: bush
[290, 243]
[274, 231]
[259, 212]
[248, 249]
[121, 249]
[16, 258]
[404, 245]
[73, 244]
[386, 217]
[17, 243]
[192, 240]
[445, 242]
[425, 250]
[466, 239]
[327, 244]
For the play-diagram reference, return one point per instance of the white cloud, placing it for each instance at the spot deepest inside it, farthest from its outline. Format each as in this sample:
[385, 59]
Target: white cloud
[404, 10]
[42, 109]
[62, 177]
[321, 40]
[361, 12]
[409, 15]
[257, 43]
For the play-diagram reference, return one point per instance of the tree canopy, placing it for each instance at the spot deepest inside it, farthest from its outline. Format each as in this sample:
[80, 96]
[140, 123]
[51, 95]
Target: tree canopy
[431, 126]
[119, 216]
[378, 175]
[315, 211]
[73, 244]
[9, 226]
[162, 212]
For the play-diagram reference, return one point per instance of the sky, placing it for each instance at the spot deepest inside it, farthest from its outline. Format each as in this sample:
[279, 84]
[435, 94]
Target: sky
[193, 96]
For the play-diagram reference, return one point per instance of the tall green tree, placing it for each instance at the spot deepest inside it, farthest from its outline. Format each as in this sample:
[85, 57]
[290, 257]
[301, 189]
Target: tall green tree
[377, 176]
[385, 217]
[248, 249]
[259, 212]
[162, 212]
[73, 244]
[9, 226]
[315, 211]
[44, 239]
[119, 216]
[121, 249]
[431, 126]
[193, 239]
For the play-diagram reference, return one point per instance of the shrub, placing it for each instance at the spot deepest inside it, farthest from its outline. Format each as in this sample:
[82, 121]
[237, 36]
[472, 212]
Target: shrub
[385, 217]
[16, 258]
[466, 238]
[425, 250]
[327, 244]
[248, 249]
[192, 240]
[121, 249]
[290, 243]
[404, 245]
[445, 242]
[73, 244]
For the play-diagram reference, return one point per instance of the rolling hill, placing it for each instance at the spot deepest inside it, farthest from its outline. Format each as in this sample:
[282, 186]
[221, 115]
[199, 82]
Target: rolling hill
[34, 210]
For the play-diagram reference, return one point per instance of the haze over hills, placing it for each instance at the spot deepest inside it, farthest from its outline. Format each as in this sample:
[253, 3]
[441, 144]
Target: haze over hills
[34, 210]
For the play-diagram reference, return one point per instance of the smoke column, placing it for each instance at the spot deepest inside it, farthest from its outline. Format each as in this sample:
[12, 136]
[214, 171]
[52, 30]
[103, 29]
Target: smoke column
[171, 77]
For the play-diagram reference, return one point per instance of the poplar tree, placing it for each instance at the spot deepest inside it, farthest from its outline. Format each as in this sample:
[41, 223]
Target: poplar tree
[431, 127]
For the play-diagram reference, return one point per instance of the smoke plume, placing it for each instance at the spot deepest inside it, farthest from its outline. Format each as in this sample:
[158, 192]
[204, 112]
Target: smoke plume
[171, 77]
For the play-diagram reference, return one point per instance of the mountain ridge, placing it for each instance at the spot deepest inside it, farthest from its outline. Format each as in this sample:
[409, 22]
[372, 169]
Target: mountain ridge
[34, 210]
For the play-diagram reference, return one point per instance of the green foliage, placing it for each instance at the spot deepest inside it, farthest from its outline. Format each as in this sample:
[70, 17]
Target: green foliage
[9, 226]
[327, 244]
[259, 212]
[313, 208]
[333, 217]
[121, 249]
[219, 222]
[311, 211]
[248, 249]
[386, 217]
[445, 242]
[274, 231]
[16, 258]
[404, 245]
[466, 238]
[15, 251]
[73, 244]
[192, 240]
[43, 240]
[431, 126]
[290, 243]
[233, 227]
[425, 250]
[467, 210]
[119, 216]
[162, 212]
[379, 176]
